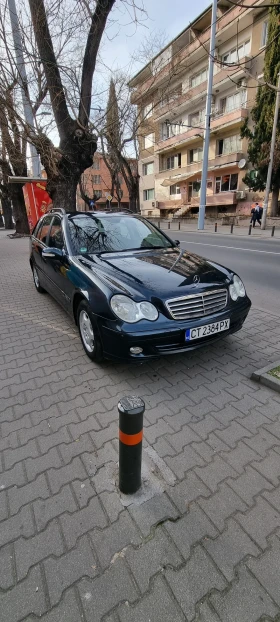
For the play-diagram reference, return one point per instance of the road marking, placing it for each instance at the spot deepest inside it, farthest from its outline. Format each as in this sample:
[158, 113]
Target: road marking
[235, 248]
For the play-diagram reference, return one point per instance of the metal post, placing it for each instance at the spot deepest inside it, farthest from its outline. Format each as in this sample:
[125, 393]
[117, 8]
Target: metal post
[250, 229]
[231, 228]
[179, 225]
[159, 224]
[169, 225]
[272, 231]
[203, 189]
[28, 113]
[272, 148]
[131, 410]
[216, 227]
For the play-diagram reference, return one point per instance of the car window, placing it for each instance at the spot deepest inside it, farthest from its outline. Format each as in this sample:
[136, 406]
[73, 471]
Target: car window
[96, 234]
[44, 229]
[56, 235]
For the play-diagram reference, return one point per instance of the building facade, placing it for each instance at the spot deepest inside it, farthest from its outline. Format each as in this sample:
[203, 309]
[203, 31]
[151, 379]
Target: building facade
[170, 93]
[97, 182]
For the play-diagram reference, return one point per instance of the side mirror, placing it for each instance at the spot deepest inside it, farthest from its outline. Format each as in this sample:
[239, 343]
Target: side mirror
[177, 242]
[55, 253]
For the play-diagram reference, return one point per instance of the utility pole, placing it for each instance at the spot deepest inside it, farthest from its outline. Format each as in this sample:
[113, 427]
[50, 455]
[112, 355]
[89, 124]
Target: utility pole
[203, 189]
[272, 147]
[28, 112]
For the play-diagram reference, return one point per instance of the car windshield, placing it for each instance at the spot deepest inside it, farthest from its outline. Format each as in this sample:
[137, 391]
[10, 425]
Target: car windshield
[92, 234]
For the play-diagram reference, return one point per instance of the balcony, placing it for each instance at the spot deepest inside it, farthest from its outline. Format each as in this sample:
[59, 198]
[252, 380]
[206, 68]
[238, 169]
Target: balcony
[192, 171]
[145, 80]
[219, 121]
[223, 198]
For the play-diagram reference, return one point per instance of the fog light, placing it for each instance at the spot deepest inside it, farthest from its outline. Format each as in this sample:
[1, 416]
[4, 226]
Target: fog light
[136, 350]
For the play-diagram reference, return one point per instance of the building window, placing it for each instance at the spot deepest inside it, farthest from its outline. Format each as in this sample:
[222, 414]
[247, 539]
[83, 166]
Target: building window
[233, 102]
[96, 179]
[195, 155]
[175, 189]
[232, 144]
[226, 183]
[194, 188]
[173, 161]
[196, 118]
[238, 52]
[147, 111]
[96, 165]
[149, 141]
[198, 78]
[148, 168]
[98, 194]
[264, 34]
[149, 195]
[168, 98]
[173, 129]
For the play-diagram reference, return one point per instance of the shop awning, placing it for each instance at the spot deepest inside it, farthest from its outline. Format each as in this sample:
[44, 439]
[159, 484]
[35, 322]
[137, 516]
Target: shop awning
[170, 181]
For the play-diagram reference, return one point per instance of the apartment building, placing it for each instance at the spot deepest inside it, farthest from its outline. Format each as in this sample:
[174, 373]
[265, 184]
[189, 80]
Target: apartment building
[170, 93]
[98, 182]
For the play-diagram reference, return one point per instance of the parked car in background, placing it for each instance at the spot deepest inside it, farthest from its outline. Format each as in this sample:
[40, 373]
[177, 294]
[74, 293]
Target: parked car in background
[131, 291]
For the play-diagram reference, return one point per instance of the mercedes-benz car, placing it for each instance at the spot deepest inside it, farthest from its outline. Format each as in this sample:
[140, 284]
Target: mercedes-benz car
[132, 292]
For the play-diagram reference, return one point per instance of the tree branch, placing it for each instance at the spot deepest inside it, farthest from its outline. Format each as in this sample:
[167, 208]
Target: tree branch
[98, 23]
[52, 73]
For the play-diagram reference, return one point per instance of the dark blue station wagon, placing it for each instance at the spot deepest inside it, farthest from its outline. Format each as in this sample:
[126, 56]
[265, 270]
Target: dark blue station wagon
[131, 291]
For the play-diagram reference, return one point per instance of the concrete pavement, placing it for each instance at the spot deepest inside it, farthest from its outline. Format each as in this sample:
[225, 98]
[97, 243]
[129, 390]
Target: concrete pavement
[201, 540]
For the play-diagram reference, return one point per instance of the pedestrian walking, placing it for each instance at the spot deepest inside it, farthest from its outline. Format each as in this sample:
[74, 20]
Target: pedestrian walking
[257, 215]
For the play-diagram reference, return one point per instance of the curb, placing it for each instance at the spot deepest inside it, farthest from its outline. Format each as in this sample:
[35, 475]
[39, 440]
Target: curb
[263, 377]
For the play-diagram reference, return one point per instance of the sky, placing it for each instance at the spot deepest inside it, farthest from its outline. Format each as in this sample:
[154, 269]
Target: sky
[171, 16]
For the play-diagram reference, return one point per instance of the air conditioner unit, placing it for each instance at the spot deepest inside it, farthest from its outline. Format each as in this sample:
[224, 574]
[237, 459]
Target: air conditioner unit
[241, 194]
[155, 204]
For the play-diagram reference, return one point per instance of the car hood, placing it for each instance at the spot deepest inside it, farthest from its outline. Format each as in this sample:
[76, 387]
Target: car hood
[155, 273]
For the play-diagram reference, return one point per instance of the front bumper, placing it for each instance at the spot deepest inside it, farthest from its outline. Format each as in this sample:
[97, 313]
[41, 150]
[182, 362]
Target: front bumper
[169, 338]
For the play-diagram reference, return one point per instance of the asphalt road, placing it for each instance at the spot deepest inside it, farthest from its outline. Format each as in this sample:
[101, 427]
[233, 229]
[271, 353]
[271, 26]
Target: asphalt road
[257, 261]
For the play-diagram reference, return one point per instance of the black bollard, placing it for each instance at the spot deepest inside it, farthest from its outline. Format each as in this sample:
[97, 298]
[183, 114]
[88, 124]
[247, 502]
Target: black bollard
[159, 224]
[250, 229]
[179, 225]
[231, 228]
[169, 225]
[131, 410]
[216, 227]
[272, 232]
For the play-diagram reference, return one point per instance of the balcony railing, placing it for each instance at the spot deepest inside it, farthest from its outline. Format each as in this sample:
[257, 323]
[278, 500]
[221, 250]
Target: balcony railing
[222, 198]
[224, 119]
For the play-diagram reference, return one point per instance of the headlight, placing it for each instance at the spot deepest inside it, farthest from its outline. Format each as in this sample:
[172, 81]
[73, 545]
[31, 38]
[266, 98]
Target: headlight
[237, 288]
[131, 312]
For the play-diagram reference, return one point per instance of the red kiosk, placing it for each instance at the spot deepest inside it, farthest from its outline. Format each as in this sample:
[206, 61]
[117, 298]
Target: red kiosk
[37, 200]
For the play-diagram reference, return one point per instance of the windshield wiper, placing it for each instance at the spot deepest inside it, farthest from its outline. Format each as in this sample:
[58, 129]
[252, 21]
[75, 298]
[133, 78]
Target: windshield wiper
[177, 260]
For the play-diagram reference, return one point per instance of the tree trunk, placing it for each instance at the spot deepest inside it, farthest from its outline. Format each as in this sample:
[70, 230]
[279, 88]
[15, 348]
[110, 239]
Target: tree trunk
[7, 213]
[274, 201]
[63, 193]
[19, 209]
[134, 201]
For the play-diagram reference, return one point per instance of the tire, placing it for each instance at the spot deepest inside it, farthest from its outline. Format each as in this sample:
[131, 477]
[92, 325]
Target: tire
[36, 280]
[89, 336]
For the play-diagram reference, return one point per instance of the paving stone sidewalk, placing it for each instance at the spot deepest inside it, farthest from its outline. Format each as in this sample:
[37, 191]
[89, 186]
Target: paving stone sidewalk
[201, 541]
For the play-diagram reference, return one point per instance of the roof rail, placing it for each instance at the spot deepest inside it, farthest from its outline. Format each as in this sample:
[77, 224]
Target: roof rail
[57, 209]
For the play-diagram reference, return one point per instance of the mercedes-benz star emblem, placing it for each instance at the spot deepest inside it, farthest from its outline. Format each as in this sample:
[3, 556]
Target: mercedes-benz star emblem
[196, 278]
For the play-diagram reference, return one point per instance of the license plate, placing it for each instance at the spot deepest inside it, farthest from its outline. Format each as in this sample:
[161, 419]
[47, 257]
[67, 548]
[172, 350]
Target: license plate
[206, 331]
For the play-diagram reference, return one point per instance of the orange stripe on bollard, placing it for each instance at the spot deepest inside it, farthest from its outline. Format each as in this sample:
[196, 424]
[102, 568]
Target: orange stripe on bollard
[130, 439]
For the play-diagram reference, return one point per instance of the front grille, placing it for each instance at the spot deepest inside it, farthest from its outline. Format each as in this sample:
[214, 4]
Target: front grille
[197, 305]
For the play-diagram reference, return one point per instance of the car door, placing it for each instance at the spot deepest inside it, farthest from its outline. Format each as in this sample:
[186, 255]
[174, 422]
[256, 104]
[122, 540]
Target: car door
[39, 242]
[57, 268]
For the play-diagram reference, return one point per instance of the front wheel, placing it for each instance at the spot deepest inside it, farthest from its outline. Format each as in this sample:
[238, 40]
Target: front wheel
[89, 336]
[36, 280]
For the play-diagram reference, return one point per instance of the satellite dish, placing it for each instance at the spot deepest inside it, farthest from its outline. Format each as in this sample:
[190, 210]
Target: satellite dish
[242, 163]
